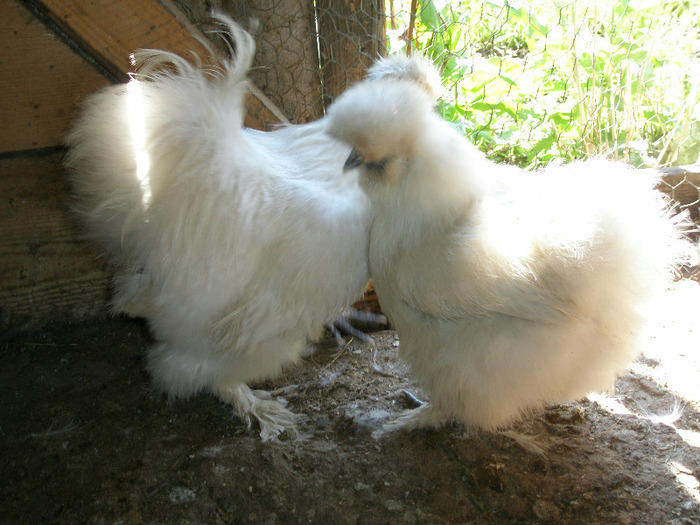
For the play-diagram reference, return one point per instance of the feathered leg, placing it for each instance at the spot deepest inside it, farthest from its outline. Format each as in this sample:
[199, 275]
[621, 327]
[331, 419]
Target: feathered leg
[427, 416]
[181, 373]
[272, 416]
[424, 416]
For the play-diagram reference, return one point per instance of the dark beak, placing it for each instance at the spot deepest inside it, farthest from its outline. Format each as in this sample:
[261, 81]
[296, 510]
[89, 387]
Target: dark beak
[353, 161]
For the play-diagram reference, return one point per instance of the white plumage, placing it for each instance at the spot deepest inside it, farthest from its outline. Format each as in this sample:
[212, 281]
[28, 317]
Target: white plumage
[507, 289]
[236, 245]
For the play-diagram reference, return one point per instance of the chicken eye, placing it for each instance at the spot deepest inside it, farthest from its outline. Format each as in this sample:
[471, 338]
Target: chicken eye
[356, 160]
[376, 166]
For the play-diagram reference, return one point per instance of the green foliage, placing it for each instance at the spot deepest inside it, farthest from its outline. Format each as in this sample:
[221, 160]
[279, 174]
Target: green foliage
[532, 82]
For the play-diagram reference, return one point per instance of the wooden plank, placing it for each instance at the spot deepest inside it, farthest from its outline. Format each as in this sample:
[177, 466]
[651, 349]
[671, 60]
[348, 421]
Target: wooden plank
[41, 81]
[110, 30]
[46, 273]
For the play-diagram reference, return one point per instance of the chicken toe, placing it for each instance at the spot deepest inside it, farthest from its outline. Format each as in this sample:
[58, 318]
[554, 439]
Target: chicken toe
[273, 418]
[354, 323]
[424, 416]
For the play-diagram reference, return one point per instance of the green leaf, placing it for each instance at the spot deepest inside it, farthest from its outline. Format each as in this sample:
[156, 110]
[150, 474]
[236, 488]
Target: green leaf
[544, 144]
[484, 136]
[498, 108]
[508, 80]
[561, 119]
[429, 14]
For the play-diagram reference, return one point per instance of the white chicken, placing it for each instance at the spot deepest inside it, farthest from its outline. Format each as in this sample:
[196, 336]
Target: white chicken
[507, 289]
[236, 245]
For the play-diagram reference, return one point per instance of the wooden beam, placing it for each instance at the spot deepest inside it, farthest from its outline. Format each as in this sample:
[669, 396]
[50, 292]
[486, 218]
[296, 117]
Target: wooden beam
[41, 81]
[110, 30]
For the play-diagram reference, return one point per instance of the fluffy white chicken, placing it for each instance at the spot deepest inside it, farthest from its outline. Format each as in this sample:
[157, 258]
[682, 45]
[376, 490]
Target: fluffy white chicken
[507, 289]
[236, 245]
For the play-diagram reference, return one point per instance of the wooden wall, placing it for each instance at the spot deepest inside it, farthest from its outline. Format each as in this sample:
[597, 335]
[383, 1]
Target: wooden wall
[42, 268]
[53, 53]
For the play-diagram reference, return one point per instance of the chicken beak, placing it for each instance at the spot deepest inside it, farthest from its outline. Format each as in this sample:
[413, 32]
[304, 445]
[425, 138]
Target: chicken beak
[353, 161]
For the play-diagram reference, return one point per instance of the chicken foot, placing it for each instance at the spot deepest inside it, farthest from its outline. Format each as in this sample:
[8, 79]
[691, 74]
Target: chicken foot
[272, 416]
[346, 321]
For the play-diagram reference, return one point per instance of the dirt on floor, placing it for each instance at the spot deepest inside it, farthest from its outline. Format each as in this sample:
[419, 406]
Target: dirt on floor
[86, 440]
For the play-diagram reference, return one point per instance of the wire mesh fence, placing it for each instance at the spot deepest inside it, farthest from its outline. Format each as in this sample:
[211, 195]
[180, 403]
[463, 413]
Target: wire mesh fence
[529, 83]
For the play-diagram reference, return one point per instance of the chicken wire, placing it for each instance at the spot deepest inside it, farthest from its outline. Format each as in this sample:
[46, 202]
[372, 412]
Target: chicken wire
[528, 84]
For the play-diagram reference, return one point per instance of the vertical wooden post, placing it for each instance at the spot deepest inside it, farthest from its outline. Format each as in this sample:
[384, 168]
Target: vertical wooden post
[351, 36]
[285, 68]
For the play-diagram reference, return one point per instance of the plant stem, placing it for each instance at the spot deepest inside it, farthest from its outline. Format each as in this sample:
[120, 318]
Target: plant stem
[411, 26]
